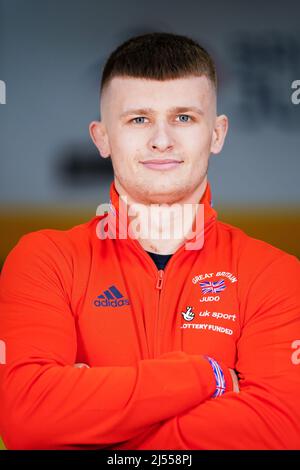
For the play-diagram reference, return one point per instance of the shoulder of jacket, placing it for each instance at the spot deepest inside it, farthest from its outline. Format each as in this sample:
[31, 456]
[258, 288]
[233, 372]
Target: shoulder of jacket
[73, 234]
[253, 251]
[69, 244]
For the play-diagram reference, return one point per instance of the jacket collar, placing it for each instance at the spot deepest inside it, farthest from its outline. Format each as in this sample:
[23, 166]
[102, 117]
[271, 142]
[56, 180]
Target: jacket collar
[200, 227]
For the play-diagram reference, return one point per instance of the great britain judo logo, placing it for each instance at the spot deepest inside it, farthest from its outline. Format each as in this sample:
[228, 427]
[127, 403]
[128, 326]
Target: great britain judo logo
[212, 287]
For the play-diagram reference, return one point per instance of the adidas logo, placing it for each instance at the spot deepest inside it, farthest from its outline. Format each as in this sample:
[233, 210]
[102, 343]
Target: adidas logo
[111, 297]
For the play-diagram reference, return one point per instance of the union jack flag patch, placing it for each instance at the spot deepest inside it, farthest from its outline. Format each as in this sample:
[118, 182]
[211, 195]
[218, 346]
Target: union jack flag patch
[212, 287]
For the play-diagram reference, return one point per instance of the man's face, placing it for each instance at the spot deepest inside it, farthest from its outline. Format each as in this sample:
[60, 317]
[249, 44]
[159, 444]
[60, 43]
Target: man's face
[143, 120]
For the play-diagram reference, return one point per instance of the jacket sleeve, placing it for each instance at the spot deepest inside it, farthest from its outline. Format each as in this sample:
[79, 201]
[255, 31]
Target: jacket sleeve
[266, 413]
[47, 403]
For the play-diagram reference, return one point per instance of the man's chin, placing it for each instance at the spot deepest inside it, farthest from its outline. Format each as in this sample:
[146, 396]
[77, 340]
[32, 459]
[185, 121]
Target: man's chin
[163, 195]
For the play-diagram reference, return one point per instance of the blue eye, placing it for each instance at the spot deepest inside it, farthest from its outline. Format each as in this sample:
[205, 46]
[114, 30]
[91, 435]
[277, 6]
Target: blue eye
[139, 120]
[185, 117]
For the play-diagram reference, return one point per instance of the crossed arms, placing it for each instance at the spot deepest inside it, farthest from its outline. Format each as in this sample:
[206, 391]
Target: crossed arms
[47, 403]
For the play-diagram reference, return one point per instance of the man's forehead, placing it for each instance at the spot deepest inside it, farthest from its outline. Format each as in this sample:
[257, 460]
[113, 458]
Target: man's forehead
[131, 93]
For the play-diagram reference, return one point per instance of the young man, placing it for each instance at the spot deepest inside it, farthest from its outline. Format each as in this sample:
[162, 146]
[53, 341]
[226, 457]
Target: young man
[159, 320]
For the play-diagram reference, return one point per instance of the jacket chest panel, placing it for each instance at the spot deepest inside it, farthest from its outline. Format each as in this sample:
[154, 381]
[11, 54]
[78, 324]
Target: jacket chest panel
[121, 335]
[124, 317]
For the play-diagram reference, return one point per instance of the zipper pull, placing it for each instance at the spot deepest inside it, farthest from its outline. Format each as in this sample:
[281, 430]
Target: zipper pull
[160, 279]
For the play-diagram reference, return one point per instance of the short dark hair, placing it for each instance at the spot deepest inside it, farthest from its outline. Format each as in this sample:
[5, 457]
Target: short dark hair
[159, 56]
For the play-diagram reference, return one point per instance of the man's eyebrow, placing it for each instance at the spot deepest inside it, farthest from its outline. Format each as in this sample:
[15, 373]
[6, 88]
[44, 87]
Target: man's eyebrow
[186, 109]
[175, 109]
[137, 111]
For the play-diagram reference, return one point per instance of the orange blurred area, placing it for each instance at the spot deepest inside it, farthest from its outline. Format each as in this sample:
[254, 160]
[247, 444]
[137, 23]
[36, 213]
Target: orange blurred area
[279, 227]
[2, 446]
[15, 222]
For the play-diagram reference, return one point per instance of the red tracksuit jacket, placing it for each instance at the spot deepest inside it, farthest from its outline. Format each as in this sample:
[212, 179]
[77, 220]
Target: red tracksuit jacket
[69, 296]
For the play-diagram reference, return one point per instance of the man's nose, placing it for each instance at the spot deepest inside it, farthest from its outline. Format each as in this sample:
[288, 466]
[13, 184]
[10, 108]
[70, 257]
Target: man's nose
[161, 139]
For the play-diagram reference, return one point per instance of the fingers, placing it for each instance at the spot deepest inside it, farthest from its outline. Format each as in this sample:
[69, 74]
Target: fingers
[235, 381]
[79, 365]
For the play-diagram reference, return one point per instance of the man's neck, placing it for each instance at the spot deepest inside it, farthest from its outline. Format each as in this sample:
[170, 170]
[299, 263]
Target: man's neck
[162, 229]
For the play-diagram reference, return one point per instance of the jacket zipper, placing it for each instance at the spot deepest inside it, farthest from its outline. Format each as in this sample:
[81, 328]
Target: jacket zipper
[160, 279]
[159, 285]
[160, 276]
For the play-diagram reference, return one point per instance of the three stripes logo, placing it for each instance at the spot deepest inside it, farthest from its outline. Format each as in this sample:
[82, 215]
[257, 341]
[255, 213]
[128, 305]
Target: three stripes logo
[111, 297]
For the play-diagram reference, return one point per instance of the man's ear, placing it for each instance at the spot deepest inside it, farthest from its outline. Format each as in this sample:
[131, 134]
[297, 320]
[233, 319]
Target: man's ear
[219, 133]
[99, 136]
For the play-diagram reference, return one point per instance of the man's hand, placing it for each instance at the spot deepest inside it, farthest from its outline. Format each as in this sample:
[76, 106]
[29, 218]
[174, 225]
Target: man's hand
[81, 364]
[235, 381]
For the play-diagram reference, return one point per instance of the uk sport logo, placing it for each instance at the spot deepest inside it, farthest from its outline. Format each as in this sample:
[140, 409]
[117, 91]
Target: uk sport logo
[212, 287]
[111, 297]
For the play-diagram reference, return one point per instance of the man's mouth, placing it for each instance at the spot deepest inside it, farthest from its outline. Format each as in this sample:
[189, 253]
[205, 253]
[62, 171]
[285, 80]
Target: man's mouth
[162, 164]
